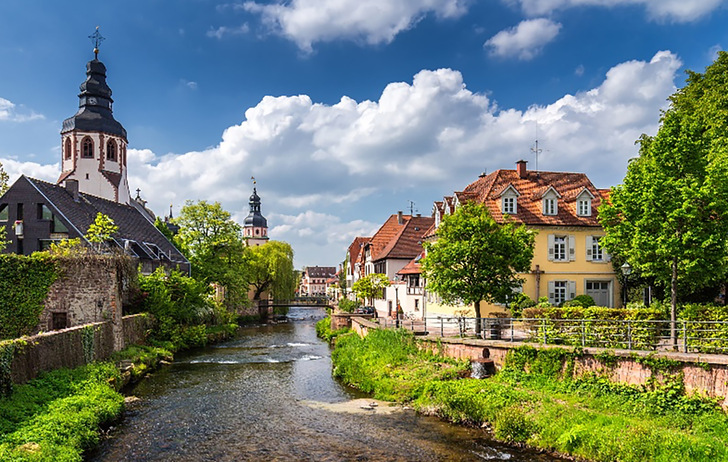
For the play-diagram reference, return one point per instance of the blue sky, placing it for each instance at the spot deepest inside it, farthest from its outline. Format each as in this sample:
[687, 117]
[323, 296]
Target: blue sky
[346, 110]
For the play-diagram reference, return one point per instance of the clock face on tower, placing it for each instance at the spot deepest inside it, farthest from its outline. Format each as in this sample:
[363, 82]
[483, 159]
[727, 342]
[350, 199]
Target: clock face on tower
[92, 101]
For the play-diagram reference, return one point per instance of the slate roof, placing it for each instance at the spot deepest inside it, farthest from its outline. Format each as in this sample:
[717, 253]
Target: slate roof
[133, 224]
[320, 271]
[489, 188]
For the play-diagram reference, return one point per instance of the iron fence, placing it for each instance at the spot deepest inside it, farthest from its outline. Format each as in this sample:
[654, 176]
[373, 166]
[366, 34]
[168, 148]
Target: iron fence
[707, 337]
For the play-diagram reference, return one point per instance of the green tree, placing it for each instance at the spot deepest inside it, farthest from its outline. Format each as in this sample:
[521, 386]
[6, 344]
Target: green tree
[669, 219]
[212, 241]
[101, 230]
[269, 267]
[342, 278]
[369, 286]
[477, 259]
[4, 180]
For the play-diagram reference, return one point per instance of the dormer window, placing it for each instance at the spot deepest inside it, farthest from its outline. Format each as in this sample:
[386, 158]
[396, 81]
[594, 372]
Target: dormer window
[583, 203]
[550, 202]
[509, 200]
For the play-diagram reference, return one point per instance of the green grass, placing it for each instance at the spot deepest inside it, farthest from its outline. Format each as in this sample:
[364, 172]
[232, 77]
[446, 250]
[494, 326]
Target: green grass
[535, 401]
[323, 330]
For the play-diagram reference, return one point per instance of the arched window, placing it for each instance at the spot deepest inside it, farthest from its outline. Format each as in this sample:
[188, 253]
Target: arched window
[67, 149]
[87, 148]
[111, 150]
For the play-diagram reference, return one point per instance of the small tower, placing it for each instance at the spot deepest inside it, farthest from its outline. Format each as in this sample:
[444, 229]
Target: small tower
[255, 227]
[93, 143]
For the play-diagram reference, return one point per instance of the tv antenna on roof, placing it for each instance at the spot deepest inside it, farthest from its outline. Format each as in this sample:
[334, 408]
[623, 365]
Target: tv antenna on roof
[536, 151]
[412, 208]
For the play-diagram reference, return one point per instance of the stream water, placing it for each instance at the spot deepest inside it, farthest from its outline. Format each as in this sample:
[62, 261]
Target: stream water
[269, 396]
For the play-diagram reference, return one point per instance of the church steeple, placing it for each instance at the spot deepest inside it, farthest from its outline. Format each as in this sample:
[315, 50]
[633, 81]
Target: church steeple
[93, 143]
[255, 227]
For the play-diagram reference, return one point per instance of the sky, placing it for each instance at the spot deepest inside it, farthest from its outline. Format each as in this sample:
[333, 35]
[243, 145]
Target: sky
[347, 111]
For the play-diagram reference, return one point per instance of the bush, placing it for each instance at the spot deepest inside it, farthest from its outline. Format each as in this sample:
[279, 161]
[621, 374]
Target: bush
[519, 303]
[584, 301]
[348, 306]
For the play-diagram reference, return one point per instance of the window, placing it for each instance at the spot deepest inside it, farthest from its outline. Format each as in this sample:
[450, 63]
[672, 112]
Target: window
[87, 148]
[597, 253]
[59, 321]
[111, 150]
[509, 205]
[559, 248]
[67, 149]
[549, 206]
[4, 212]
[417, 304]
[44, 213]
[559, 292]
[19, 215]
[583, 207]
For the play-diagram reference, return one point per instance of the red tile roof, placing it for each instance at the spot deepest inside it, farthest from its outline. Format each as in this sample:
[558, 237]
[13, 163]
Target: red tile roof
[488, 189]
[356, 249]
[413, 267]
[400, 241]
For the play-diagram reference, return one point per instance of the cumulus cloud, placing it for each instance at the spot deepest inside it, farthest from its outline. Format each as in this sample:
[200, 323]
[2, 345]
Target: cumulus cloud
[659, 10]
[9, 112]
[327, 173]
[374, 21]
[524, 41]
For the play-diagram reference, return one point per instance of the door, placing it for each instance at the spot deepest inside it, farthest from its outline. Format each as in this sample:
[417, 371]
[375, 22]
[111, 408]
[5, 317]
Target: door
[600, 291]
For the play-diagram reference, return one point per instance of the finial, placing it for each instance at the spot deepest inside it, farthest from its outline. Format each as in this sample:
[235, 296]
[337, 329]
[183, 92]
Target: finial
[96, 39]
[170, 212]
[138, 194]
[253, 178]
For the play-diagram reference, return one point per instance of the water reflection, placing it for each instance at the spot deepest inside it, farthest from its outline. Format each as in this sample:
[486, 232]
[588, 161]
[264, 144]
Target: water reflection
[269, 396]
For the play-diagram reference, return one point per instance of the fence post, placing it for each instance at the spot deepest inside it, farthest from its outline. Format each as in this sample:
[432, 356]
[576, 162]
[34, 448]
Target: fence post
[543, 329]
[512, 329]
[685, 336]
[583, 334]
[629, 334]
[442, 327]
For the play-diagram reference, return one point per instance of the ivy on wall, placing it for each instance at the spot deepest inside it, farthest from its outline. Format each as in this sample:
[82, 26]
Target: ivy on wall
[24, 284]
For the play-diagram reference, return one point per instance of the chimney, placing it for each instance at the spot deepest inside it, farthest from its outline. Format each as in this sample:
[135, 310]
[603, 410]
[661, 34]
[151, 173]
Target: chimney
[72, 188]
[400, 220]
[521, 168]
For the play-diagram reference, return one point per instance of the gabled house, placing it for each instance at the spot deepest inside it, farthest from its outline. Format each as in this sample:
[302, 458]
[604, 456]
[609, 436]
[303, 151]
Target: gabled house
[354, 266]
[313, 280]
[562, 208]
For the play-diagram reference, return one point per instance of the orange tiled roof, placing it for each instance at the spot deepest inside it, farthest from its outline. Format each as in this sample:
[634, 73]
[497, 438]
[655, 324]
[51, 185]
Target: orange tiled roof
[356, 249]
[487, 190]
[413, 267]
[408, 242]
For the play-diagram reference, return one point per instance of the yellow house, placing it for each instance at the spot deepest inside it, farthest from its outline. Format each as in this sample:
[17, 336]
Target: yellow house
[561, 208]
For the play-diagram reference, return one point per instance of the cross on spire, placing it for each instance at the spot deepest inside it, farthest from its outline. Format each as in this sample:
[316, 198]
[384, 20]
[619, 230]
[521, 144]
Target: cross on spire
[96, 39]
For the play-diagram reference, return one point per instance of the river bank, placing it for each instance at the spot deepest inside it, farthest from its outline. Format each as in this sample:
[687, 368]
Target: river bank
[535, 401]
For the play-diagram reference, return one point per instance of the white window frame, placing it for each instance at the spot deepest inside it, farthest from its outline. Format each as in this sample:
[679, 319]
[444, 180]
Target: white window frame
[565, 288]
[560, 246]
[550, 206]
[508, 205]
[594, 251]
[583, 207]
[569, 242]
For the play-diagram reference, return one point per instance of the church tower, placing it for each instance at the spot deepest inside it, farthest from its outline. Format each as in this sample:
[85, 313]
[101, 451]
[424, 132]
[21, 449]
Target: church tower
[93, 143]
[255, 227]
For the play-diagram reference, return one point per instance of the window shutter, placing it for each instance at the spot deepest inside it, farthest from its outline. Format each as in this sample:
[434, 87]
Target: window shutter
[551, 292]
[589, 248]
[605, 256]
[572, 290]
[551, 247]
[572, 249]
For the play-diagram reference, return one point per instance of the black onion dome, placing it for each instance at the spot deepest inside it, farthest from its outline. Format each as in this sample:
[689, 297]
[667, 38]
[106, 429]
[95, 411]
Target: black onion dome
[254, 218]
[95, 105]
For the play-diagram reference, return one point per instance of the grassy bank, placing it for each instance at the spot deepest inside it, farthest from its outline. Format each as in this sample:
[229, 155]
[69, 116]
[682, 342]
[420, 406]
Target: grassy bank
[536, 401]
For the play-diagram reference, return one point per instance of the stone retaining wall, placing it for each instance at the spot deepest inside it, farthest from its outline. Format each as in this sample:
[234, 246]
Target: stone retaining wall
[703, 374]
[64, 348]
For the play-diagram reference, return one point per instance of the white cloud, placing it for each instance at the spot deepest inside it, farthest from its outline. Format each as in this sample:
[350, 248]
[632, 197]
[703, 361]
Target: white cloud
[524, 41]
[223, 31]
[9, 113]
[327, 173]
[659, 10]
[374, 21]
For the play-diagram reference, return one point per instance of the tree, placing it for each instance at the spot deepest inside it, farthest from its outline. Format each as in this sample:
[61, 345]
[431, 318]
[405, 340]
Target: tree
[342, 278]
[369, 286]
[269, 267]
[101, 230]
[4, 180]
[477, 259]
[669, 219]
[212, 242]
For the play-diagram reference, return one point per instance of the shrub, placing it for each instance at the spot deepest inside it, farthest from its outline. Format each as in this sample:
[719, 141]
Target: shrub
[348, 306]
[519, 303]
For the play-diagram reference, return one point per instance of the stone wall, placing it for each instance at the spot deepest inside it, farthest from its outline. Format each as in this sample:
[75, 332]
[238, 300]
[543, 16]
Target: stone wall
[64, 348]
[136, 328]
[703, 374]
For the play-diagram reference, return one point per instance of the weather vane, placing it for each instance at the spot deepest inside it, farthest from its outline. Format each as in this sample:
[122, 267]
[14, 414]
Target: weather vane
[96, 39]
[253, 178]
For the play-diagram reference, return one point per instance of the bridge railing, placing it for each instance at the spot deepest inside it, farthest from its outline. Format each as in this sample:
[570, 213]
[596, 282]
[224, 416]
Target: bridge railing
[709, 337]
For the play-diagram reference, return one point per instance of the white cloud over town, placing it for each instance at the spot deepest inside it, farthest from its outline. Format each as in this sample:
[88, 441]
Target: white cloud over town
[658, 10]
[316, 164]
[375, 21]
[10, 112]
[524, 41]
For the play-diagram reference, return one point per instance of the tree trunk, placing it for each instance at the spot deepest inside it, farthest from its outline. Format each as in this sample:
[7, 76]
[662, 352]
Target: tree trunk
[673, 305]
[478, 323]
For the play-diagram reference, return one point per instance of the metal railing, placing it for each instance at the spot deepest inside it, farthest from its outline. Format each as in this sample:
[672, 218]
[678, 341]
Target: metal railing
[708, 337]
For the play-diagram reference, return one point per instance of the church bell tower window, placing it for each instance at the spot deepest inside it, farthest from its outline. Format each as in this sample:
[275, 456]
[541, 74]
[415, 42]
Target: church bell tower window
[67, 148]
[111, 150]
[87, 148]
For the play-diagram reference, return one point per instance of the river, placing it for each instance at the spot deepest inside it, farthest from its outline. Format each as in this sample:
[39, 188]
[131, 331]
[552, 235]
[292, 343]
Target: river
[269, 396]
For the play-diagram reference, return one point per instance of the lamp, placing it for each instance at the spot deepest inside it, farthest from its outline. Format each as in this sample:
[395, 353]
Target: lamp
[626, 271]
